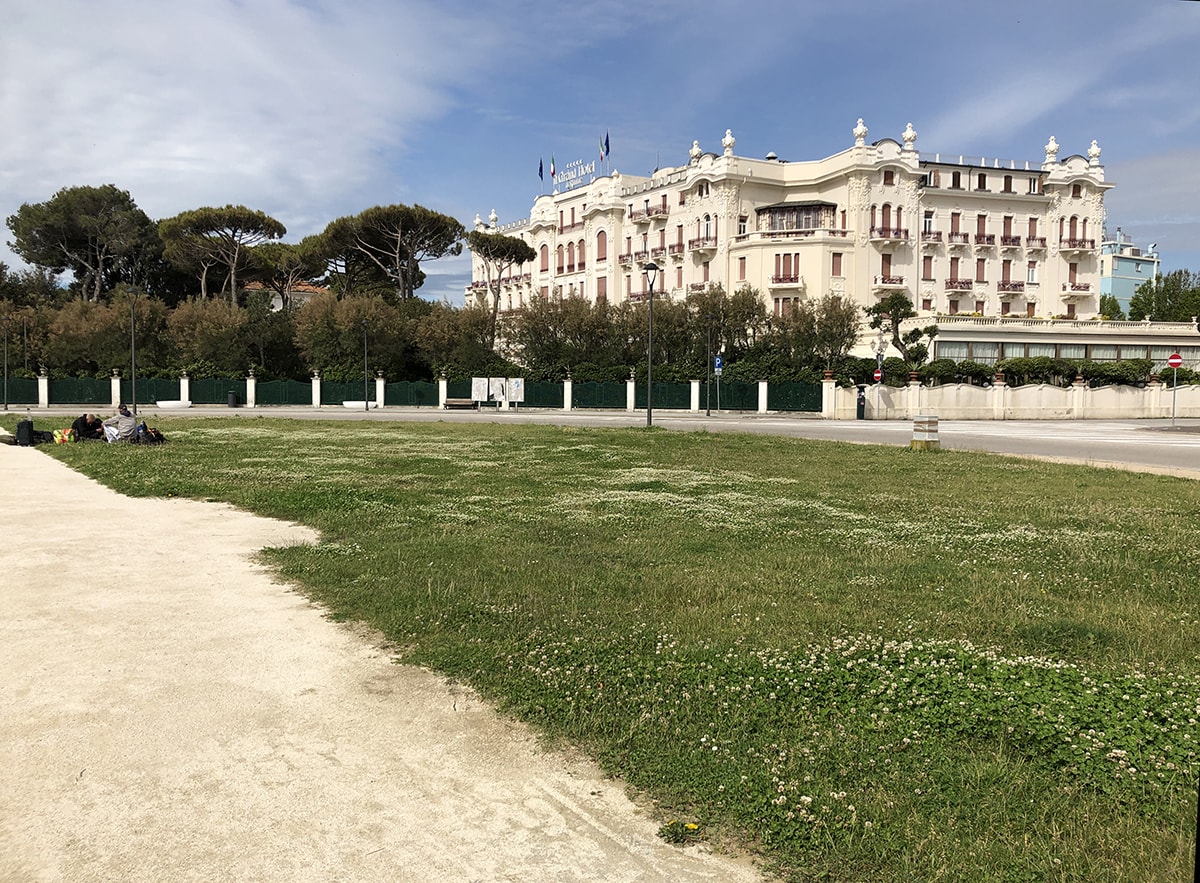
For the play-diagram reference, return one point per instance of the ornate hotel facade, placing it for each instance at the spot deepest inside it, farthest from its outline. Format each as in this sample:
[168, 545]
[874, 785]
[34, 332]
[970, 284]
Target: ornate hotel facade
[1002, 254]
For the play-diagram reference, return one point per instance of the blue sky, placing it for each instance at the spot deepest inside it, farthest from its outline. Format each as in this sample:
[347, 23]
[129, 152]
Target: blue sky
[313, 109]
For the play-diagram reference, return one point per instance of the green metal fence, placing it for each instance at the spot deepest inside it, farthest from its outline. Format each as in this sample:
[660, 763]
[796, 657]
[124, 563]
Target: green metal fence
[411, 393]
[539, 394]
[283, 392]
[458, 389]
[22, 391]
[215, 391]
[79, 391]
[672, 396]
[794, 397]
[737, 396]
[335, 393]
[150, 390]
[598, 395]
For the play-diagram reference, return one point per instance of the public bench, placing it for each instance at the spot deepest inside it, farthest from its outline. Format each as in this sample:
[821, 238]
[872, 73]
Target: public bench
[461, 404]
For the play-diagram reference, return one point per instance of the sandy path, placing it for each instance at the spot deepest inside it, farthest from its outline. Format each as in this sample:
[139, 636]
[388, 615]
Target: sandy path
[193, 720]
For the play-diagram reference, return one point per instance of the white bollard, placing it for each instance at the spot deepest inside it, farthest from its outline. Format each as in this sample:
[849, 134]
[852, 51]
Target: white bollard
[925, 433]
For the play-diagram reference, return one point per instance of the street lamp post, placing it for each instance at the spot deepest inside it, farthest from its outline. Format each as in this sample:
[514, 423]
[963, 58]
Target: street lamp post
[366, 401]
[651, 270]
[132, 356]
[708, 361]
[7, 318]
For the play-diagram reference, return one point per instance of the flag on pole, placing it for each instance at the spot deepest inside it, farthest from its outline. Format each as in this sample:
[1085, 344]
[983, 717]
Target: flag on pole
[602, 150]
[540, 175]
[552, 165]
[606, 145]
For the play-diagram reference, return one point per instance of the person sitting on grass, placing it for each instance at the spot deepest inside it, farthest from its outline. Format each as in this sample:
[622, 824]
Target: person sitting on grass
[122, 427]
[88, 427]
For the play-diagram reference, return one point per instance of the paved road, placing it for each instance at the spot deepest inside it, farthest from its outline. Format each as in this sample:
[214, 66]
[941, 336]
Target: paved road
[1153, 445]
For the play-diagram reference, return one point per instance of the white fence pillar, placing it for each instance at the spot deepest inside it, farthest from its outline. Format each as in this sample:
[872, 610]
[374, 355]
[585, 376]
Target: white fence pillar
[316, 389]
[442, 385]
[380, 389]
[695, 404]
[762, 396]
[828, 396]
[630, 394]
[43, 389]
[115, 388]
[251, 390]
[185, 387]
[568, 392]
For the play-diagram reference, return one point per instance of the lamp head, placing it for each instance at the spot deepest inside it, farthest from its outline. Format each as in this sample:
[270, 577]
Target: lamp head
[651, 270]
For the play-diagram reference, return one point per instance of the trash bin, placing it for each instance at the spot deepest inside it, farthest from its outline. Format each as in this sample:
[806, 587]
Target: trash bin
[861, 413]
[233, 398]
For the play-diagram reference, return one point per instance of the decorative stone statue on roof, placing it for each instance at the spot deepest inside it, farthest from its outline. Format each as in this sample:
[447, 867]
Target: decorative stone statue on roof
[695, 152]
[1051, 150]
[493, 217]
[478, 221]
[909, 135]
[728, 141]
[1094, 153]
[860, 134]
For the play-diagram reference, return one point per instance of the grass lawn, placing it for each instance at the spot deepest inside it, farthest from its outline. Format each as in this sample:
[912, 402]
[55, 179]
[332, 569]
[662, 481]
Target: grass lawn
[865, 662]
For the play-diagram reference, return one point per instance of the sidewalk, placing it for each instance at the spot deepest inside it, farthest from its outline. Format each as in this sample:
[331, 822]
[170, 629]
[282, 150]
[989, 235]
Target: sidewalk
[171, 713]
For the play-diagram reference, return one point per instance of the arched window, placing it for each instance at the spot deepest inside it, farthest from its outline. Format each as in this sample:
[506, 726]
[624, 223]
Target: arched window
[886, 218]
[1083, 231]
[570, 255]
[707, 227]
[560, 258]
[601, 246]
[873, 224]
[1076, 191]
[1074, 228]
[545, 258]
[579, 254]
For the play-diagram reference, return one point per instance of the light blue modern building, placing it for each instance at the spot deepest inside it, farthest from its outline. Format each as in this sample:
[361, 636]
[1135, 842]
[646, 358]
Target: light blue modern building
[1124, 266]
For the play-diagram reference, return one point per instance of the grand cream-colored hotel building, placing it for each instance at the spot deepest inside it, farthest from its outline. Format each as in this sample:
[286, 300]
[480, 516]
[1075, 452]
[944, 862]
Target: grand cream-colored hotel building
[1004, 255]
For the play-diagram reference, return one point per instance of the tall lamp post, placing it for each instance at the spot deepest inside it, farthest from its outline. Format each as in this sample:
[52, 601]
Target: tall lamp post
[366, 401]
[132, 355]
[7, 319]
[708, 380]
[651, 270]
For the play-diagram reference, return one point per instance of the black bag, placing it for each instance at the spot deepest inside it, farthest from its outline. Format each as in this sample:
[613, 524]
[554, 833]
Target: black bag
[25, 433]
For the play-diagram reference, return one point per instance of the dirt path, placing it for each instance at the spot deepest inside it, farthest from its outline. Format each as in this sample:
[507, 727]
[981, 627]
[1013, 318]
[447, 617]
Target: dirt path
[167, 712]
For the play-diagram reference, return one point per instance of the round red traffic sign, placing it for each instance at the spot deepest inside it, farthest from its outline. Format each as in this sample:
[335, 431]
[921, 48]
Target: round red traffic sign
[878, 375]
[1174, 360]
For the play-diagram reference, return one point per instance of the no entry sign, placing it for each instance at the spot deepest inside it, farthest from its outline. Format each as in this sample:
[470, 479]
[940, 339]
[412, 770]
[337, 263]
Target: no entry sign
[878, 375]
[1174, 360]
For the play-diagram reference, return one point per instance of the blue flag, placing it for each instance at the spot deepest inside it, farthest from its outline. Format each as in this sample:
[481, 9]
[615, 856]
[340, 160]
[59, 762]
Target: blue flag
[540, 175]
[606, 151]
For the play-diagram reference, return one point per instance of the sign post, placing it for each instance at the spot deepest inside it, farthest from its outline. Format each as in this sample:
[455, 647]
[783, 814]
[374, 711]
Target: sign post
[878, 375]
[1174, 361]
[718, 366]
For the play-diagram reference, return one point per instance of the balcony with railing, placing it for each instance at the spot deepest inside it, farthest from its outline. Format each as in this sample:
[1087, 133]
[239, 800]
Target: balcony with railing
[1081, 288]
[787, 280]
[658, 252]
[626, 258]
[640, 257]
[675, 249]
[1035, 241]
[702, 243]
[578, 225]
[888, 283]
[889, 234]
[697, 286]
[931, 238]
[959, 238]
[1009, 285]
[985, 240]
[1075, 244]
[799, 233]
[959, 284]
[1010, 241]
